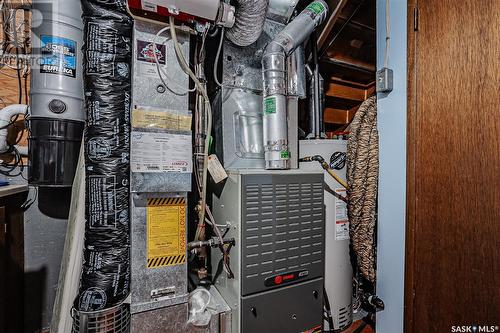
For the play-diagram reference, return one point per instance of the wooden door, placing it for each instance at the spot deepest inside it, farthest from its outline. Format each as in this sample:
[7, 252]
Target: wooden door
[453, 225]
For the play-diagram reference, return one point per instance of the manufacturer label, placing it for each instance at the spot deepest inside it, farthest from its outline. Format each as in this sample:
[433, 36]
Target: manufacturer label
[58, 56]
[146, 5]
[166, 232]
[165, 119]
[147, 54]
[270, 105]
[161, 152]
[341, 218]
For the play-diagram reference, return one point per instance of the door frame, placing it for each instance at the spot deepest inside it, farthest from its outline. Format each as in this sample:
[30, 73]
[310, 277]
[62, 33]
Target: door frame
[409, 295]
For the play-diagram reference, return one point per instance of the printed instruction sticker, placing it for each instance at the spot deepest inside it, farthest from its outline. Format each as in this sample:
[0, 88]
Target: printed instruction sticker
[161, 152]
[166, 232]
[165, 119]
[102, 201]
[146, 62]
[341, 217]
[216, 169]
[58, 56]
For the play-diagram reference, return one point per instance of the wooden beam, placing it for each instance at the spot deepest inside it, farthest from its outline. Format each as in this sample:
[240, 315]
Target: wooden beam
[338, 5]
[370, 91]
[352, 83]
[345, 92]
[339, 116]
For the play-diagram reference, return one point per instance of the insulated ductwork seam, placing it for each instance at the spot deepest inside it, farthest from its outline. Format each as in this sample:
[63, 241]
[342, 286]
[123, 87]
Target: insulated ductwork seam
[274, 74]
[107, 54]
[249, 21]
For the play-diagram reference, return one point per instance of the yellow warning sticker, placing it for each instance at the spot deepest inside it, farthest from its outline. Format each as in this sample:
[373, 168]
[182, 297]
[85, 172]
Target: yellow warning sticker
[166, 227]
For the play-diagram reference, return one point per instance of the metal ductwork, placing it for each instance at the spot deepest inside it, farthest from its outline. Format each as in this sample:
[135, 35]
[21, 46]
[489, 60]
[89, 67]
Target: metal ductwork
[249, 21]
[56, 117]
[277, 154]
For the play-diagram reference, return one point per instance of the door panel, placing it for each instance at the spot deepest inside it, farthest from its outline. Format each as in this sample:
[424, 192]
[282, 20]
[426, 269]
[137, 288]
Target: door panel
[453, 245]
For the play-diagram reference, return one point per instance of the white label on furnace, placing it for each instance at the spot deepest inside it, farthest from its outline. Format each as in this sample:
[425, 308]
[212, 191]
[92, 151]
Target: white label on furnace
[148, 5]
[341, 218]
[161, 152]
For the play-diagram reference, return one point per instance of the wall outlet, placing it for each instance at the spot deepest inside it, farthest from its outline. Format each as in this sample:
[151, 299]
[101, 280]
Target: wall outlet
[384, 80]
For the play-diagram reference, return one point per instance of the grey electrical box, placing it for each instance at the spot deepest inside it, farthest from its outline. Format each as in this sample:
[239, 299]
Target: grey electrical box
[384, 80]
[277, 221]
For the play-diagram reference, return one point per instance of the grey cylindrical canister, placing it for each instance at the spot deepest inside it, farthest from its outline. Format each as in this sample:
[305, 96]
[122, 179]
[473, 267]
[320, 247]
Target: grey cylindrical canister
[274, 74]
[56, 78]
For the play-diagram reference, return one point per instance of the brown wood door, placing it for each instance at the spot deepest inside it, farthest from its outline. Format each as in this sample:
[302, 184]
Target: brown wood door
[453, 235]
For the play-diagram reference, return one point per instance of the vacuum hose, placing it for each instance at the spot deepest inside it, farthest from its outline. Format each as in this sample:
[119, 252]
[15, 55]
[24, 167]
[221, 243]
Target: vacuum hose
[362, 178]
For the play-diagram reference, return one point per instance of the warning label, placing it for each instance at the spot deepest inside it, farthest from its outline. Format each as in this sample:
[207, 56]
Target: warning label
[166, 232]
[341, 218]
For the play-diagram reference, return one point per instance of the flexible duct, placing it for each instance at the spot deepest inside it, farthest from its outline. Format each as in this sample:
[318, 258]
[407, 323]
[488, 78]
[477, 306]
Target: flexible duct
[107, 53]
[362, 179]
[274, 74]
[249, 21]
[5, 119]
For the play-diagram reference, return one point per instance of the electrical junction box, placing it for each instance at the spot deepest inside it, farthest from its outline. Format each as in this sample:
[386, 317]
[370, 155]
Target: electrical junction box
[384, 80]
[277, 221]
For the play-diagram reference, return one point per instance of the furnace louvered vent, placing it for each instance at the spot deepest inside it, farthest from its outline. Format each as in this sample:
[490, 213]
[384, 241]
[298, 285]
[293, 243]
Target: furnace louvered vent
[283, 229]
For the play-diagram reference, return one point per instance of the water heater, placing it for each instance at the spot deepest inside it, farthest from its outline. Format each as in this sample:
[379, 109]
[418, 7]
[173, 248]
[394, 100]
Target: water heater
[338, 269]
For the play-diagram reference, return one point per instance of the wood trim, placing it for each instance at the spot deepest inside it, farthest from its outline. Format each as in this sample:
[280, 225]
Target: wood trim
[410, 262]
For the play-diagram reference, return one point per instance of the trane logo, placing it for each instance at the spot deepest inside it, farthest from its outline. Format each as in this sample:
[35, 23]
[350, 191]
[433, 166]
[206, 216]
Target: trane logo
[475, 328]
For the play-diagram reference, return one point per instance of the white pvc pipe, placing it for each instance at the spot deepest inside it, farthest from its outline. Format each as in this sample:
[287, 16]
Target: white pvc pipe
[5, 118]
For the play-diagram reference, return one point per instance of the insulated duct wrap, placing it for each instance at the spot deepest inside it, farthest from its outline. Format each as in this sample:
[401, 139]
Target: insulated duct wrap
[274, 73]
[107, 53]
[249, 21]
[362, 179]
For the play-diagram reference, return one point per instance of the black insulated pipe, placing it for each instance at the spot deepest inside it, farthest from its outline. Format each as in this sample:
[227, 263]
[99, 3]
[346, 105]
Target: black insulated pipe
[105, 280]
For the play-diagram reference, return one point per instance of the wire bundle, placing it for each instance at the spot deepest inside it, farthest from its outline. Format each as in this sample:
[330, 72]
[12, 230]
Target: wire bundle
[14, 46]
[105, 278]
[362, 179]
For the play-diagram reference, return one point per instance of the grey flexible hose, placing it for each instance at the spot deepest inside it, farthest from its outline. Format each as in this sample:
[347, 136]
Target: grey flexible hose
[362, 178]
[249, 21]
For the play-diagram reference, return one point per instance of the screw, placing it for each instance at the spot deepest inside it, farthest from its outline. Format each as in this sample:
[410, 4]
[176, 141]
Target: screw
[160, 88]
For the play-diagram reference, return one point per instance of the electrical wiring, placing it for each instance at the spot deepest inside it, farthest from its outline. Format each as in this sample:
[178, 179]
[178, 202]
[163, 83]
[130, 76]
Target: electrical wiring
[208, 109]
[216, 63]
[387, 33]
[161, 70]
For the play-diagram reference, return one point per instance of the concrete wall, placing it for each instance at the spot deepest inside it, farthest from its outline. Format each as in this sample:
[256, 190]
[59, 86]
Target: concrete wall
[392, 190]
